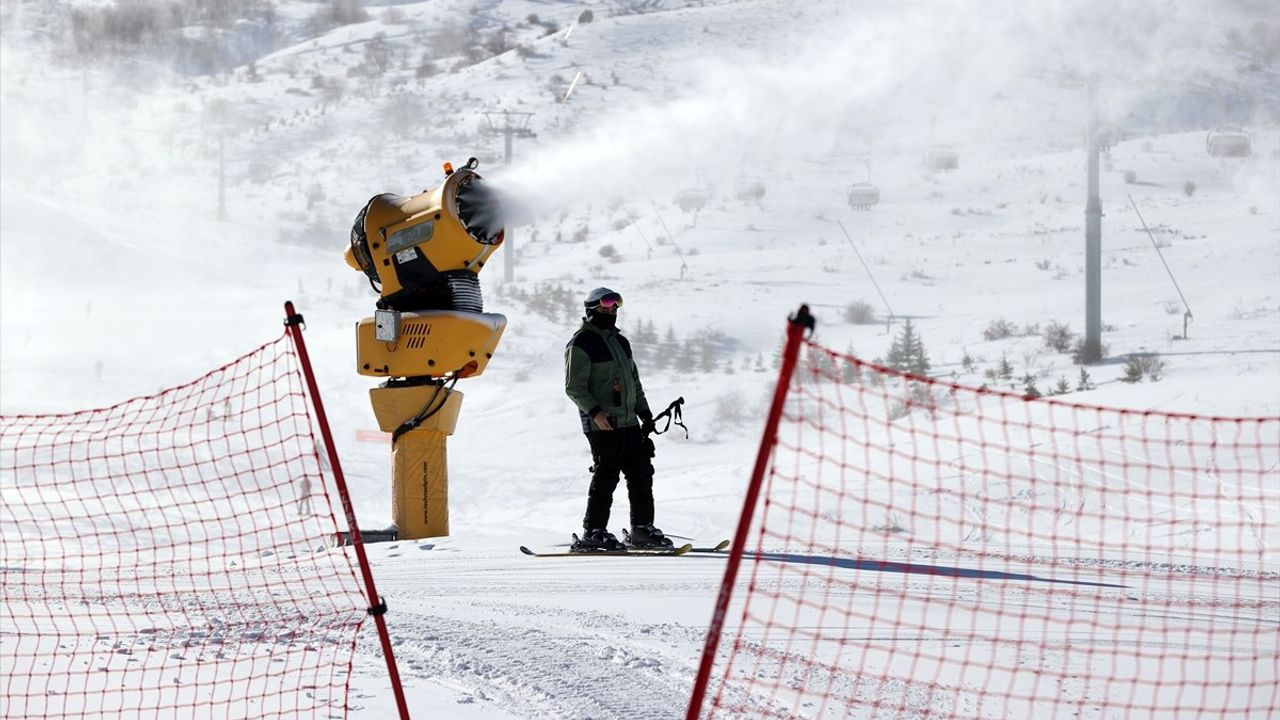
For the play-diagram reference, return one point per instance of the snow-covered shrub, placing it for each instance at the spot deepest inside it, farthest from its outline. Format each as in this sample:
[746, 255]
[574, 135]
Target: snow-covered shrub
[860, 312]
[1058, 336]
[731, 410]
[1151, 365]
[999, 329]
[892, 525]
[1077, 351]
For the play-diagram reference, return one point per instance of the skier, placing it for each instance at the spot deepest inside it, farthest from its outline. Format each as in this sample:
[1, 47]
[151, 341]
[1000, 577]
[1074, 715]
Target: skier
[601, 378]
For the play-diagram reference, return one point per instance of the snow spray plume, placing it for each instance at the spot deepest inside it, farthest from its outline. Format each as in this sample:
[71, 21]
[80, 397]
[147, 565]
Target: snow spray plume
[845, 79]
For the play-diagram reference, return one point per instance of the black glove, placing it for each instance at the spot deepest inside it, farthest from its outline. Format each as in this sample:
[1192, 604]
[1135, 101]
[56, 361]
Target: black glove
[646, 424]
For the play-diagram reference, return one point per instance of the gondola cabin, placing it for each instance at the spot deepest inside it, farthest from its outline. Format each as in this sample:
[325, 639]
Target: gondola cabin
[1228, 143]
[942, 158]
[691, 200]
[862, 196]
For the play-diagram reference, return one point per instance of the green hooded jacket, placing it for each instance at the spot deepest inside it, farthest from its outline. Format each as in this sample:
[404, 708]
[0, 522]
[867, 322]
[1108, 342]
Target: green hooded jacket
[600, 374]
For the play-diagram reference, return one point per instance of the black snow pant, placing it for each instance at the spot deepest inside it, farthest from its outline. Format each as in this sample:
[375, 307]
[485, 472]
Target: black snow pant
[623, 450]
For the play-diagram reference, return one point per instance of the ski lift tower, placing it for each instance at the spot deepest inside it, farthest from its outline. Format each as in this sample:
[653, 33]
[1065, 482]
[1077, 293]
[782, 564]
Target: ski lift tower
[1092, 350]
[514, 125]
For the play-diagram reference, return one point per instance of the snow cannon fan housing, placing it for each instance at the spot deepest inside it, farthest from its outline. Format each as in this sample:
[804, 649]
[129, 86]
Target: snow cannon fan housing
[422, 255]
[423, 252]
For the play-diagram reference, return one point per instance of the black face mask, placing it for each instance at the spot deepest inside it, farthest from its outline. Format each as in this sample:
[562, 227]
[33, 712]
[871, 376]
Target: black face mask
[603, 321]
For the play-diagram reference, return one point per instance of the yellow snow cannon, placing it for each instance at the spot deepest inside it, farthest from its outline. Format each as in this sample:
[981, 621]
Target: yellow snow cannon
[422, 255]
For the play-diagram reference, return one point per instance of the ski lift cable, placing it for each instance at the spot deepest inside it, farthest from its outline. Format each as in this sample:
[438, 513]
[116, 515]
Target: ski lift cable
[670, 238]
[1162, 260]
[865, 267]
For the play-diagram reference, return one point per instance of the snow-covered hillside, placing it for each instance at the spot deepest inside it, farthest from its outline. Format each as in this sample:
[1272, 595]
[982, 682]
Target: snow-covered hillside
[696, 156]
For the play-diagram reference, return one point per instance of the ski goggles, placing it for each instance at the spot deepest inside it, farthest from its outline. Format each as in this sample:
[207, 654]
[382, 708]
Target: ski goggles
[610, 302]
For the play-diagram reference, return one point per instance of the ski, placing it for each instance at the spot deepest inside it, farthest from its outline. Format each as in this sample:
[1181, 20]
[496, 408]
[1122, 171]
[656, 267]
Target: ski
[719, 547]
[681, 550]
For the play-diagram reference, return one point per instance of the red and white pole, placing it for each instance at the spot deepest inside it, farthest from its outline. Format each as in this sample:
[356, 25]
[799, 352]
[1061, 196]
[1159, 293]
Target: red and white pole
[377, 608]
[795, 333]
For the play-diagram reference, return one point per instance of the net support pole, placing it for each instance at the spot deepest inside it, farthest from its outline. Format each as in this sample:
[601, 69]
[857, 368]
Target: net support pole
[796, 327]
[377, 608]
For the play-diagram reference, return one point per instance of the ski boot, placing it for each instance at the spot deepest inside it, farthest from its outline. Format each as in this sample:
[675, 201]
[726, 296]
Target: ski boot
[596, 540]
[647, 537]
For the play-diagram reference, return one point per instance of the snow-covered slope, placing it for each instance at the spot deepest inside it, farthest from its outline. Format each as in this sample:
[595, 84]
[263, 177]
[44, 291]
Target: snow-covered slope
[118, 278]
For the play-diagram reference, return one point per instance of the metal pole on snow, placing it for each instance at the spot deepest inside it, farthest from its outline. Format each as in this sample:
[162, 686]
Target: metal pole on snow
[377, 608]
[1092, 351]
[797, 324]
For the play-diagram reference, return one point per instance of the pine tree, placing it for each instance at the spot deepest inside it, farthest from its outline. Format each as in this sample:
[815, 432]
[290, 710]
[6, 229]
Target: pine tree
[897, 356]
[1063, 386]
[849, 372]
[1006, 368]
[706, 357]
[649, 340]
[919, 357]
[907, 352]
[1084, 383]
[667, 350]
[686, 359]
[1029, 389]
